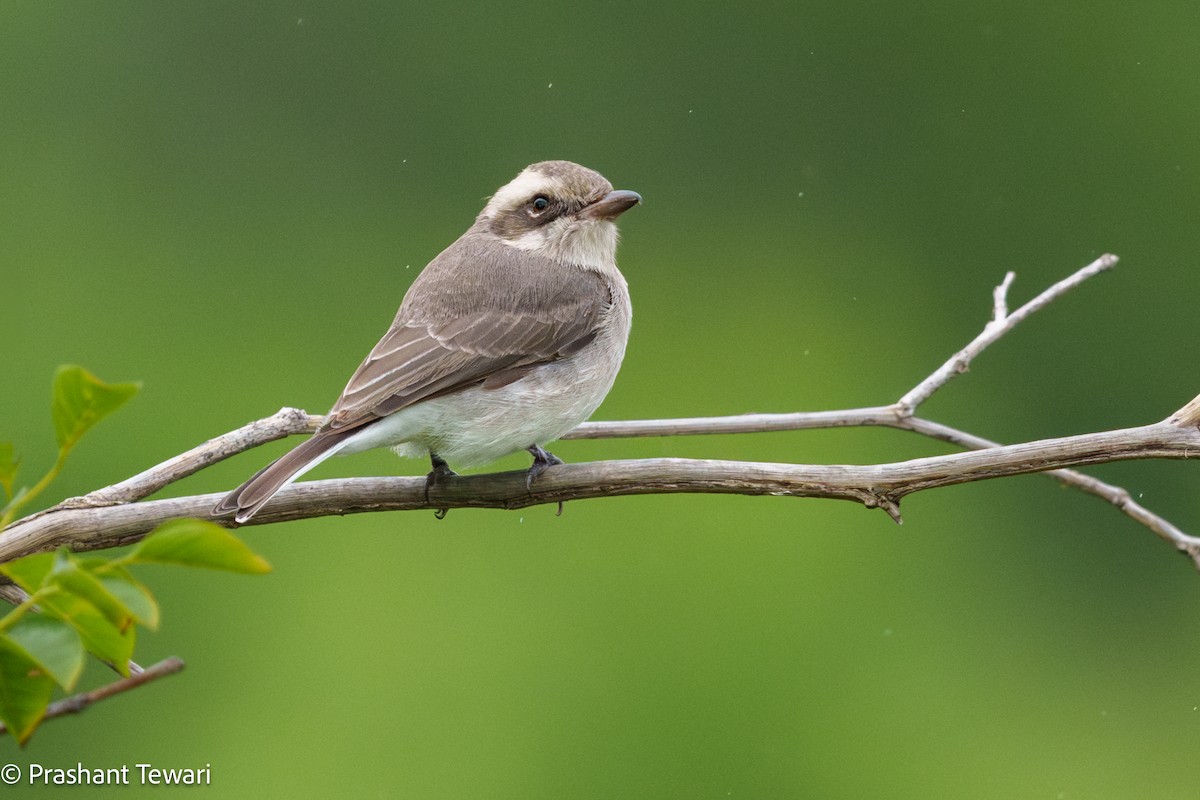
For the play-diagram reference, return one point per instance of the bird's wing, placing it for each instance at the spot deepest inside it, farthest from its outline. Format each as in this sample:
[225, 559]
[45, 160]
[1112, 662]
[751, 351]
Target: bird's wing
[430, 351]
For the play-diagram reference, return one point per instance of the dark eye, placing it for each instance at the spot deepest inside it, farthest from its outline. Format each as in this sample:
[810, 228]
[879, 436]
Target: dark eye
[540, 203]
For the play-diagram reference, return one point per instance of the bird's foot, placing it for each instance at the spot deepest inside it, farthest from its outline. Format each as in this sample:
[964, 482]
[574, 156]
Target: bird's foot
[542, 460]
[440, 470]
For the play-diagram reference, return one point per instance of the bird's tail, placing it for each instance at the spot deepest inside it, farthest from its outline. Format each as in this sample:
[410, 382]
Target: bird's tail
[247, 499]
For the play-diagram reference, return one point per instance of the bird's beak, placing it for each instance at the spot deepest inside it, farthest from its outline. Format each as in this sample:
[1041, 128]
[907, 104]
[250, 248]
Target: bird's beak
[612, 205]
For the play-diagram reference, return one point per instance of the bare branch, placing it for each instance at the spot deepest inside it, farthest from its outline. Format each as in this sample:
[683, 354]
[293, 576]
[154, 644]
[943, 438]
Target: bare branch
[283, 423]
[1187, 416]
[737, 423]
[77, 703]
[887, 416]
[112, 516]
[1165, 530]
[1000, 325]
[882, 485]
[288, 421]
[1002, 322]
[87, 524]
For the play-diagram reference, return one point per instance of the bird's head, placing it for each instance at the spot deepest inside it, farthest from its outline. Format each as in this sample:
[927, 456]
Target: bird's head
[560, 210]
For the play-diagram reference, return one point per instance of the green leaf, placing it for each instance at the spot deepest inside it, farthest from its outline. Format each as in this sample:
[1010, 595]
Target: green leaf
[134, 595]
[99, 635]
[81, 400]
[9, 462]
[73, 578]
[53, 645]
[197, 543]
[29, 572]
[25, 690]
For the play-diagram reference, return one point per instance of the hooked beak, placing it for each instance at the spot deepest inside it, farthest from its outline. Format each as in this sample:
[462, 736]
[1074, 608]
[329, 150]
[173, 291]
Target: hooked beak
[612, 205]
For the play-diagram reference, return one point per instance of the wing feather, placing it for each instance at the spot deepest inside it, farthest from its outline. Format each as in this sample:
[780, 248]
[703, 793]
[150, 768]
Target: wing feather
[456, 328]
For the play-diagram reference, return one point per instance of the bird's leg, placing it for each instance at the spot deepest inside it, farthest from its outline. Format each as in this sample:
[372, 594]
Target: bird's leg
[440, 470]
[542, 460]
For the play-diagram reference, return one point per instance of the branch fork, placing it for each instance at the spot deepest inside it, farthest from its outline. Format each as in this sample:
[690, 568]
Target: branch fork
[119, 514]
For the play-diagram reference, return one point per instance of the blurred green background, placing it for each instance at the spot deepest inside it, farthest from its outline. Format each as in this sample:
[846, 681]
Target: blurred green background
[227, 202]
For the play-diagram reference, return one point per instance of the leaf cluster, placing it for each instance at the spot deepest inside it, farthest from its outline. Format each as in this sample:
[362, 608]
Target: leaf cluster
[86, 604]
[93, 605]
[79, 400]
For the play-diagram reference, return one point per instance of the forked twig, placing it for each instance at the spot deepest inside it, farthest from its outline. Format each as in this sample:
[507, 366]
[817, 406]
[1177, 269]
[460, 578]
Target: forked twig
[106, 517]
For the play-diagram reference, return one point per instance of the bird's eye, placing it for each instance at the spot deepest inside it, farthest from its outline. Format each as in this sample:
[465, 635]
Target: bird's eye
[541, 203]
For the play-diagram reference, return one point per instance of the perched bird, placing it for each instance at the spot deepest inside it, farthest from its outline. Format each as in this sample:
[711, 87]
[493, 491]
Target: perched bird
[508, 339]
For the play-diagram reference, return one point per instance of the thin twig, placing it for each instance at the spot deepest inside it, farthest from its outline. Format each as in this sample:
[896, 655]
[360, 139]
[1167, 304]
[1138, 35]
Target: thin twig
[78, 702]
[1119, 497]
[900, 415]
[736, 423]
[1000, 297]
[958, 363]
[283, 423]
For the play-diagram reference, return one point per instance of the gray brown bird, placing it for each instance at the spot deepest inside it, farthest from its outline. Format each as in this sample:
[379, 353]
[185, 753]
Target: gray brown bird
[508, 339]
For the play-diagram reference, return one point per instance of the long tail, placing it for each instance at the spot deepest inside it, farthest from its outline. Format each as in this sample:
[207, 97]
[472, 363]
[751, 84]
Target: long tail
[247, 499]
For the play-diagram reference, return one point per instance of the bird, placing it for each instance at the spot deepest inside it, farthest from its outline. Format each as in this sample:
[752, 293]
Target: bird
[506, 340]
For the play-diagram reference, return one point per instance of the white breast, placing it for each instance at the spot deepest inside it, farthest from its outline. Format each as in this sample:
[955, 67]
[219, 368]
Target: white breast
[476, 425]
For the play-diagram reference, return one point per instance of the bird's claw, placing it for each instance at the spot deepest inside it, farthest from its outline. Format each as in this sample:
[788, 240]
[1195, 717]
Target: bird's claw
[542, 461]
[440, 470]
